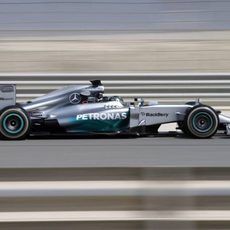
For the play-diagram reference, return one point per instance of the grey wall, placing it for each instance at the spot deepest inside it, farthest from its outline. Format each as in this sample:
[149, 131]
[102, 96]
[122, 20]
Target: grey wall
[114, 15]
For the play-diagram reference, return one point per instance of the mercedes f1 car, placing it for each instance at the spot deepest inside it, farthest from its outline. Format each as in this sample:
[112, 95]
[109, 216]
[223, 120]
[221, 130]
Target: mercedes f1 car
[84, 109]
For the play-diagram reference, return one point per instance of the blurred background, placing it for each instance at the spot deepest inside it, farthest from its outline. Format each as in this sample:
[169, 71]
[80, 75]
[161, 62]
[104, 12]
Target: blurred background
[114, 36]
[171, 50]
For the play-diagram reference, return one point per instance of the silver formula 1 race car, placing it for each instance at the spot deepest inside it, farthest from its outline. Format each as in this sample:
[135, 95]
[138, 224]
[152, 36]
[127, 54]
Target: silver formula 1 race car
[82, 110]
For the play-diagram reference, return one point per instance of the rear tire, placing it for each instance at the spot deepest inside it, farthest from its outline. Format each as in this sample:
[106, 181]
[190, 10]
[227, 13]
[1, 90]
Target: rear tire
[201, 122]
[14, 123]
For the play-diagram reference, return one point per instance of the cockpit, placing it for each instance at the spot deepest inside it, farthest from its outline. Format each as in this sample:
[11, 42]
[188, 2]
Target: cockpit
[95, 94]
[86, 97]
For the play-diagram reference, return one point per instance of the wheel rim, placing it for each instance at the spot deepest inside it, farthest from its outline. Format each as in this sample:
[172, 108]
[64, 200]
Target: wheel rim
[13, 123]
[202, 122]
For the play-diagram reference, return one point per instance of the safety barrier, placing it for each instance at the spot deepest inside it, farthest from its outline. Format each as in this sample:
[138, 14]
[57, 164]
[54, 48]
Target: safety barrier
[167, 88]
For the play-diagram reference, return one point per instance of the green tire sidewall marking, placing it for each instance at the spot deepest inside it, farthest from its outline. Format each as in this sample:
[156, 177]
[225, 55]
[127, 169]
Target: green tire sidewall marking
[10, 131]
[207, 116]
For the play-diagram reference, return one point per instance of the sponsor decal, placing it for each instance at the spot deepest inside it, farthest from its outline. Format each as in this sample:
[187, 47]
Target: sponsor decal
[157, 114]
[112, 106]
[101, 116]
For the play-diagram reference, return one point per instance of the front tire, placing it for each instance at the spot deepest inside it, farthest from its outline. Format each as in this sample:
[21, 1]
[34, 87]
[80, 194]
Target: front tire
[14, 123]
[202, 122]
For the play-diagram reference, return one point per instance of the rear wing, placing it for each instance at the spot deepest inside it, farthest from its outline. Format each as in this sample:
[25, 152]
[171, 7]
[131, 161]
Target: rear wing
[7, 95]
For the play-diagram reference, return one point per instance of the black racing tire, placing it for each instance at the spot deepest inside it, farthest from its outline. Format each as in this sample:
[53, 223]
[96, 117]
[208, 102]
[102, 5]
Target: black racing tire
[182, 124]
[14, 123]
[201, 122]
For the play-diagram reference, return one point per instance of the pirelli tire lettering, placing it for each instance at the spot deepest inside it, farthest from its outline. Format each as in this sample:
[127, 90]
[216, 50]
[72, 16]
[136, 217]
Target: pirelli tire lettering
[102, 116]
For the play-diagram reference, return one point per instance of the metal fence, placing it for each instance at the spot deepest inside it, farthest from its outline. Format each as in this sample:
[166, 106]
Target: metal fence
[167, 88]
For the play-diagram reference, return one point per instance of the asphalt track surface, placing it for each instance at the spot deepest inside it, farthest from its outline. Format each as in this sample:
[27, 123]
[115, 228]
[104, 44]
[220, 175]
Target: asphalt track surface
[163, 151]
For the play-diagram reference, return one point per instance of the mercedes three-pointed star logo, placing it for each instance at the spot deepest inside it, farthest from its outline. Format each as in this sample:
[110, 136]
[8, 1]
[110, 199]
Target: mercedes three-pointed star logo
[74, 98]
